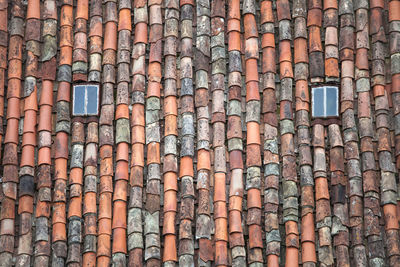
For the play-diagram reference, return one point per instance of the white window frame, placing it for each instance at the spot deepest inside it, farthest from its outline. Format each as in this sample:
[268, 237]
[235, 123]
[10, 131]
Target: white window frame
[325, 88]
[86, 99]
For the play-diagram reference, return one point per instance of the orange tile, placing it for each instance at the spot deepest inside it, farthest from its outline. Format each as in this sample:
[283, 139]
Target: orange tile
[25, 204]
[111, 32]
[233, 25]
[284, 51]
[394, 7]
[59, 232]
[253, 198]
[124, 22]
[153, 153]
[140, 33]
[253, 133]
[234, 42]
[391, 222]
[170, 252]
[292, 257]
[203, 160]
[27, 157]
[119, 240]
[251, 70]
[266, 12]
[300, 50]
[122, 152]
[33, 11]
[186, 167]
[330, 4]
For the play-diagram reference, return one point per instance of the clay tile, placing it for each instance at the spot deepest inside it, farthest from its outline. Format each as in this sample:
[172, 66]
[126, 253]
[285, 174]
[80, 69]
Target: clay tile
[234, 10]
[364, 105]
[80, 42]
[286, 70]
[122, 151]
[315, 39]
[44, 156]
[50, 10]
[234, 41]
[362, 58]
[14, 69]
[89, 203]
[33, 10]
[395, 6]
[3, 20]
[251, 70]
[125, 20]
[111, 32]
[13, 109]
[8, 210]
[82, 10]
[268, 40]
[283, 9]
[390, 217]
[121, 172]
[250, 27]
[25, 204]
[253, 198]
[332, 67]
[284, 51]
[44, 118]
[119, 216]
[186, 167]
[252, 91]
[253, 158]
[221, 233]
[186, 2]
[140, 33]
[219, 195]
[395, 83]
[66, 18]
[170, 248]
[66, 56]
[122, 111]
[153, 153]
[170, 106]
[105, 211]
[203, 160]
[59, 232]
[377, 3]
[66, 37]
[266, 12]
[330, 4]
[308, 231]
[236, 159]
[233, 25]
[300, 50]
[253, 133]
[255, 232]
[26, 158]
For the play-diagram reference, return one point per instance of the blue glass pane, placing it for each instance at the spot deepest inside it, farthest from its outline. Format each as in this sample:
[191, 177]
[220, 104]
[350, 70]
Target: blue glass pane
[79, 100]
[92, 99]
[318, 102]
[331, 101]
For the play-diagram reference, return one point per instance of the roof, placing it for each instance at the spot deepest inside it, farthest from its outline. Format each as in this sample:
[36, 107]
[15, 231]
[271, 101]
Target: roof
[204, 152]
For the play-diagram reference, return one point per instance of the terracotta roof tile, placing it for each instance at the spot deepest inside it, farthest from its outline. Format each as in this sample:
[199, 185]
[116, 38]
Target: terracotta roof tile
[189, 85]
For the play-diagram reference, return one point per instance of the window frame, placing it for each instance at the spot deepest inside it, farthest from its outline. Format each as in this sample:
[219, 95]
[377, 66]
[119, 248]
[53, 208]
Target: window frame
[313, 87]
[86, 99]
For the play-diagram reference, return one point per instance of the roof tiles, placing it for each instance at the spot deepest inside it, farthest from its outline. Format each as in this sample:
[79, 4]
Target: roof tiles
[204, 152]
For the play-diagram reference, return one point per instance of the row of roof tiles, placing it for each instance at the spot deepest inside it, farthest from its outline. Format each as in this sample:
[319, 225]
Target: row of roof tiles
[114, 199]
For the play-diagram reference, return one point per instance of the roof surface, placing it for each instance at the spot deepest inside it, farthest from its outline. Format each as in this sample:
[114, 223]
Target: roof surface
[204, 152]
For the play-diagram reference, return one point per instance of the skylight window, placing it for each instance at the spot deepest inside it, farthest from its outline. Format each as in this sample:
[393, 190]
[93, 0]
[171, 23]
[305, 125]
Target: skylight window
[325, 101]
[85, 100]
